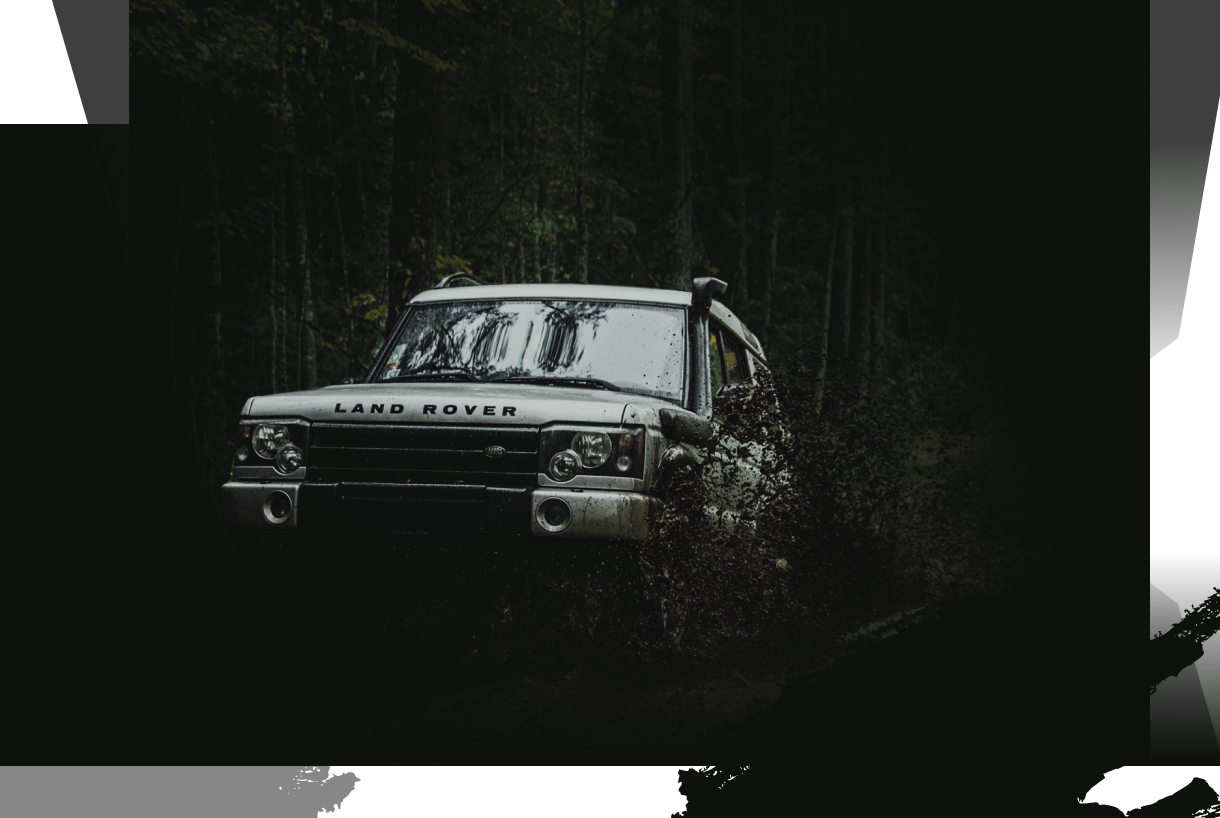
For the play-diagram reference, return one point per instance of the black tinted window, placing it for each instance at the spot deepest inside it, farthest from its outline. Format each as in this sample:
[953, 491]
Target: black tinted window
[735, 366]
[714, 359]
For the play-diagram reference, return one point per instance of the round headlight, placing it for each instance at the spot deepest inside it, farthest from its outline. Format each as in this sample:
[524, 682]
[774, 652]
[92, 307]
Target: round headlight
[593, 448]
[564, 466]
[268, 440]
[289, 459]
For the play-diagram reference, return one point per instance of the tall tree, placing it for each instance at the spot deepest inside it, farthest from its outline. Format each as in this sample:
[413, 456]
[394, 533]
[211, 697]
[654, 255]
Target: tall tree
[781, 80]
[418, 132]
[862, 308]
[276, 251]
[882, 260]
[215, 293]
[820, 384]
[677, 111]
[741, 286]
[307, 365]
[842, 317]
[281, 295]
[582, 224]
[349, 346]
[383, 86]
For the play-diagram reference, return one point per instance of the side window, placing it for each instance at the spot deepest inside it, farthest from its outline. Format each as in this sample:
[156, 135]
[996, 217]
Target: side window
[735, 365]
[714, 360]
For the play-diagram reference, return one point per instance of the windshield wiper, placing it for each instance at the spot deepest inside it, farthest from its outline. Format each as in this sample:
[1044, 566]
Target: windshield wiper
[431, 376]
[594, 382]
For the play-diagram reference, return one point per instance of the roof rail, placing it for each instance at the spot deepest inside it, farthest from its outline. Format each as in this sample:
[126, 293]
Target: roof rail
[450, 281]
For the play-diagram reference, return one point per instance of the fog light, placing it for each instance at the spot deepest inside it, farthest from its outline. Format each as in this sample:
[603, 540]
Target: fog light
[277, 507]
[289, 458]
[242, 452]
[623, 463]
[564, 466]
[554, 515]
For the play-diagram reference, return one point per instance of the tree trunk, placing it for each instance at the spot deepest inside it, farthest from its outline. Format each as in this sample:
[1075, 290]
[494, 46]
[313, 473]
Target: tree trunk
[552, 247]
[779, 128]
[364, 214]
[863, 308]
[281, 295]
[276, 250]
[879, 305]
[415, 230]
[676, 95]
[820, 385]
[376, 241]
[822, 56]
[839, 363]
[882, 256]
[307, 362]
[740, 295]
[539, 209]
[216, 351]
[582, 225]
[350, 347]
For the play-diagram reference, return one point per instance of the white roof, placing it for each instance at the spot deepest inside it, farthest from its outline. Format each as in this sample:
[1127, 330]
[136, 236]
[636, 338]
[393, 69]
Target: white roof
[584, 292]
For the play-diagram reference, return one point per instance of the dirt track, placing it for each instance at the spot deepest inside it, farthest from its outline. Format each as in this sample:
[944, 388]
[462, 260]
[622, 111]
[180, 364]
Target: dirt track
[470, 695]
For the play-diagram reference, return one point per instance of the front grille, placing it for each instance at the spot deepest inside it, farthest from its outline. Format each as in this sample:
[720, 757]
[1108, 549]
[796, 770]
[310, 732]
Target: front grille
[427, 455]
[419, 478]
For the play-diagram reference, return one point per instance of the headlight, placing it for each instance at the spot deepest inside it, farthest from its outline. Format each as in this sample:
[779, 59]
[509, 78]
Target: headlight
[268, 440]
[289, 458]
[593, 448]
[601, 451]
[564, 466]
[283, 444]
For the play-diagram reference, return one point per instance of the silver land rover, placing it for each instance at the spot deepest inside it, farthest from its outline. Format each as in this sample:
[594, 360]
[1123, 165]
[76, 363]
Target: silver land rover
[544, 411]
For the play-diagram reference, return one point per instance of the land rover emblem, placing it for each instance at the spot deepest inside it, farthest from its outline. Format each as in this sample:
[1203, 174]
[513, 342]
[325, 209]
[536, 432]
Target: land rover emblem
[494, 451]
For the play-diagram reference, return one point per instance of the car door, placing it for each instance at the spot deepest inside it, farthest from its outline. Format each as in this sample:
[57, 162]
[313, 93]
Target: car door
[742, 475]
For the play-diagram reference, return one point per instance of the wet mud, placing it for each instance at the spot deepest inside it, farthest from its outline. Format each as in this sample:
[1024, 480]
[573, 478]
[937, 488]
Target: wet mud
[663, 642]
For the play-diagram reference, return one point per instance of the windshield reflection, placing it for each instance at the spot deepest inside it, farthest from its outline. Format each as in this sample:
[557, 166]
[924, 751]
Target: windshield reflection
[637, 347]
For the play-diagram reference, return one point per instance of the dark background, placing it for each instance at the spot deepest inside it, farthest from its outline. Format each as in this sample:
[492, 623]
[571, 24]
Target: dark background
[1063, 150]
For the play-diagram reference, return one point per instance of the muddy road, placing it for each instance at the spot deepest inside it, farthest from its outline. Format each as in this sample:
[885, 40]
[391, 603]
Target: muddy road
[458, 644]
[218, 650]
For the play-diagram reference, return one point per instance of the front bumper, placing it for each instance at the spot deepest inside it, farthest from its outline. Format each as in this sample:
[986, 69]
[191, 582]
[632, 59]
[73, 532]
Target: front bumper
[248, 505]
[591, 514]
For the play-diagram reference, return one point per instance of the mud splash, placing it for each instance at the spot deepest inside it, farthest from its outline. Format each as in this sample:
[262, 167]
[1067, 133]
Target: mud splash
[837, 530]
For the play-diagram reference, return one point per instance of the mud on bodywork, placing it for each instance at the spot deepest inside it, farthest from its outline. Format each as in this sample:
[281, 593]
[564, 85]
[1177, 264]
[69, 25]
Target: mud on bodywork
[697, 590]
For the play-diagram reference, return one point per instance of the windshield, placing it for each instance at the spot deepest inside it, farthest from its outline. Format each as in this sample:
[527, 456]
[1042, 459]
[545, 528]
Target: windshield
[635, 347]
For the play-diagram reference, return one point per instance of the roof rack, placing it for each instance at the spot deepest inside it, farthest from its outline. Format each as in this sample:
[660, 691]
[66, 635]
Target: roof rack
[450, 281]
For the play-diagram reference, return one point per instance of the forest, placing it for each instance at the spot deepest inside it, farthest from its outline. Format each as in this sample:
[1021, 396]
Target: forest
[322, 162]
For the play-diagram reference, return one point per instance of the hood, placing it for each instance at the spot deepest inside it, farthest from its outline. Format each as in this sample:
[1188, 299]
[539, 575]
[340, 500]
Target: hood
[464, 403]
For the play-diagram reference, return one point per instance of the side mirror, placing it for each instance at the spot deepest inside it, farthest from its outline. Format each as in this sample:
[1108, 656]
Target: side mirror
[687, 427]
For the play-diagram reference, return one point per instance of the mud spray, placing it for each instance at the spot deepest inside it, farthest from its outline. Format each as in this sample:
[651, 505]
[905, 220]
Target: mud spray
[874, 515]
